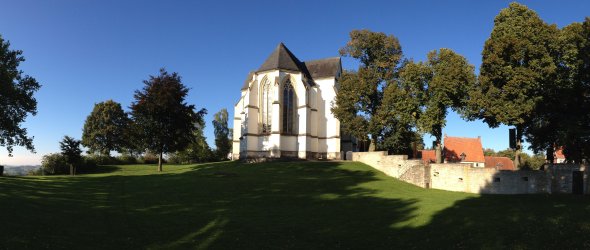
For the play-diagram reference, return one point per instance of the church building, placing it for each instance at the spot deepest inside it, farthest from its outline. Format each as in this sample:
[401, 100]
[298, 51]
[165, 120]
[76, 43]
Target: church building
[284, 110]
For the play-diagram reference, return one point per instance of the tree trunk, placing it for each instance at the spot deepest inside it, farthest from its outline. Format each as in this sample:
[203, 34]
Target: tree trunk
[549, 155]
[71, 169]
[160, 162]
[518, 147]
[438, 151]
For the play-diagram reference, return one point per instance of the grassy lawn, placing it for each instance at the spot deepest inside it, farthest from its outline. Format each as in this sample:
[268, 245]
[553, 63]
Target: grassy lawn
[276, 205]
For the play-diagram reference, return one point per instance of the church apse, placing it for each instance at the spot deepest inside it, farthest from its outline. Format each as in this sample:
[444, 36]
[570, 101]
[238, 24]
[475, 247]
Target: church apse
[284, 109]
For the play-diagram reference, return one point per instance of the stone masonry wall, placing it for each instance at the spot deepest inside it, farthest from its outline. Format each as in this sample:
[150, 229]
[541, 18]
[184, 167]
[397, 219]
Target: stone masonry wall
[465, 178]
[398, 166]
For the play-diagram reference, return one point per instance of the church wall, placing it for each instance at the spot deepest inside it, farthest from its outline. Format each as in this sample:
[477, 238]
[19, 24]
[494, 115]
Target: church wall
[315, 131]
[328, 125]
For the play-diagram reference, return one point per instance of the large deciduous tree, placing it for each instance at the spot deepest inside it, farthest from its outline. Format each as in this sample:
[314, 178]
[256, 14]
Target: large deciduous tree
[517, 71]
[574, 75]
[361, 92]
[221, 131]
[443, 81]
[165, 122]
[106, 128]
[16, 99]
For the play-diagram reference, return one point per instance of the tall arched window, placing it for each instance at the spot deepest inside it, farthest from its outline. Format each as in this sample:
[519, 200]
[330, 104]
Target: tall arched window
[288, 107]
[266, 105]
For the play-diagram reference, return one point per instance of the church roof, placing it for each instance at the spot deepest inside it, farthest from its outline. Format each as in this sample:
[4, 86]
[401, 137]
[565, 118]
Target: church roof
[247, 81]
[281, 58]
[327, 67]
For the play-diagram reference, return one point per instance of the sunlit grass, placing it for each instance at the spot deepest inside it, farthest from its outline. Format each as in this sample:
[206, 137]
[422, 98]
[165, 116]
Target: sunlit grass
[274, 205]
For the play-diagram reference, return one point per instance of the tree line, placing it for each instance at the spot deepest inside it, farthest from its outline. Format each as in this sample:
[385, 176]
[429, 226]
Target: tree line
[534, 77]
[160, 122]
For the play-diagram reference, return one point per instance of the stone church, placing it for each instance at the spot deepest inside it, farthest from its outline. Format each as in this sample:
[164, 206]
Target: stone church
[284, 110]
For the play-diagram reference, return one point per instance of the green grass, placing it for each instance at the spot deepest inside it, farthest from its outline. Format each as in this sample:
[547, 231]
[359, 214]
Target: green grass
[280, 205]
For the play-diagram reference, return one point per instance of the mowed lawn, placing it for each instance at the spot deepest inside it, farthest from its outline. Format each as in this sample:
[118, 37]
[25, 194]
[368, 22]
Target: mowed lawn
[279, 205]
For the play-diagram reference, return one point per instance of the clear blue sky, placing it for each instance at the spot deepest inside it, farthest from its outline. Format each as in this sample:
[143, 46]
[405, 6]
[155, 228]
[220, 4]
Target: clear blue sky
[85, 52]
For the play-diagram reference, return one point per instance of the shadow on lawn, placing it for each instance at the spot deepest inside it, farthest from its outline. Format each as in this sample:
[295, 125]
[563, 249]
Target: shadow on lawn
[273, 205]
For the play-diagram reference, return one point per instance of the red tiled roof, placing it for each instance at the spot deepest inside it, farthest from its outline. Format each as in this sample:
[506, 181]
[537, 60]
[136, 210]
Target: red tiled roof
[559, 153]
[456, 146]
[500, 163]
[428, 156]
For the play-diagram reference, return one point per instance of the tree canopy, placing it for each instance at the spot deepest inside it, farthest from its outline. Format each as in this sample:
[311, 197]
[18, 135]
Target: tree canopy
[361, 92]
[16, 99]
[164, 120]
[70, 149]
[221, 131]
[517, 71]
[106, 128]
[440, 84]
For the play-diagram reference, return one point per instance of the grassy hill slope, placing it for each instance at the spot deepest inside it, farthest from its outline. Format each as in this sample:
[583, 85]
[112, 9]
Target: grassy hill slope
[274, 205]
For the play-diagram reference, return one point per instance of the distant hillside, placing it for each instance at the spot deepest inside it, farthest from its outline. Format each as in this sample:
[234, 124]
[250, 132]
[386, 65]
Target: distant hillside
[19, 170]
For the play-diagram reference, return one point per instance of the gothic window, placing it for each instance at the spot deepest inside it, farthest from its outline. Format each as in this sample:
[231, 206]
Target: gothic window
[266, 105]
[288, 107]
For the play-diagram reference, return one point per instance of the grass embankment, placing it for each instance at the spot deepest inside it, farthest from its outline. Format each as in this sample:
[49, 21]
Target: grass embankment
[274, 205]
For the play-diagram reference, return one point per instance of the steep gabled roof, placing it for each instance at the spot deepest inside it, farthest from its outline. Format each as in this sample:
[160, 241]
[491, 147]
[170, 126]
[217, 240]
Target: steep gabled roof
[500, 163]
[281, 58]
[454, 147]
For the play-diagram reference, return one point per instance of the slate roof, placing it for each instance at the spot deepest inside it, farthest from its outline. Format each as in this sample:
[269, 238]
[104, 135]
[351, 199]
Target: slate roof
[247, 81]
[454, 147]
[283, 58]
[327, 67]
[500, 163]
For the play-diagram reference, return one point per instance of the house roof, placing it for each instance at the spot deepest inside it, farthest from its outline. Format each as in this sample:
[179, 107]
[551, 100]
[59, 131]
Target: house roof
[454, 147]
[428, 156]
[559, 153]
[499, 162]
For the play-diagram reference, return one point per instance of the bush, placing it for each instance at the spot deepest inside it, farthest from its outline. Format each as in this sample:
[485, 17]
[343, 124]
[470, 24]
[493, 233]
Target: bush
[54, 164]
[102, 159]
[150, 158]
[127, 159]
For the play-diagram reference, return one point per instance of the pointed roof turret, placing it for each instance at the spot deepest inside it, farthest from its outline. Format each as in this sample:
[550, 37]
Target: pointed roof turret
[281, 58]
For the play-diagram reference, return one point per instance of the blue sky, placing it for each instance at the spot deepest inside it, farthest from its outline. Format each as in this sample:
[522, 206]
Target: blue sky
[85, 52]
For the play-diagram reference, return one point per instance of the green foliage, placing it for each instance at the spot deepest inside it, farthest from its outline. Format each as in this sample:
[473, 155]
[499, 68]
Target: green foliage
[57, 164]
[70, 149]
[16, 99]
[105, 129]
[222, 138]
[518, 72]
[430, 89]
[534, 162]
[361, 93]
[165, 123]
[127, 159]
[53, 164]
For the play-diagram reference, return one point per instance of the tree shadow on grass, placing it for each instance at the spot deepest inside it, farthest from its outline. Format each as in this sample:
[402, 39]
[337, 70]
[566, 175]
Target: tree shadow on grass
[278, 205]
[509, 222]
[227, 205]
